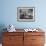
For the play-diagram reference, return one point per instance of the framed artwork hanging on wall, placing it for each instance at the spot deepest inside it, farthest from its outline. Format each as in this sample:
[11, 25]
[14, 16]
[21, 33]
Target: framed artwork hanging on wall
[26, 14]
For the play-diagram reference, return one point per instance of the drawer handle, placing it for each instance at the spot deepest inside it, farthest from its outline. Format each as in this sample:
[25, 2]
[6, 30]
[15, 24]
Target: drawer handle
[33, 39]
[11, 38]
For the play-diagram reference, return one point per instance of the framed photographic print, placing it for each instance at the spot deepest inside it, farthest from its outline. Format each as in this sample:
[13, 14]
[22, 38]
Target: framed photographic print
[26, 14]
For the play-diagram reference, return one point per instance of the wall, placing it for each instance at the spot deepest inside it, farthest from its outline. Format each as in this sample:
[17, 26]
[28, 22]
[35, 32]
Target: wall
[8, 13]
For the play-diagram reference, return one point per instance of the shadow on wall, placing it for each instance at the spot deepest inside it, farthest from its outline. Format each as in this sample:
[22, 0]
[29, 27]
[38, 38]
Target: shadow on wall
[2, 26]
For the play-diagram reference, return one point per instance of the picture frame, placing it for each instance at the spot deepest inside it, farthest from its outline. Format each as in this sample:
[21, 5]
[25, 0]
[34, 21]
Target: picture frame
[26, 14]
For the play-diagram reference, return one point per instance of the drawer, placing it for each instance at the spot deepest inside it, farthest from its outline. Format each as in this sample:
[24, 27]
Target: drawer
[33, 33]
[27, 41]
[4, 44]
[37, 44]
[37, 39]
[13, 33]
[12, 38]
[12, 44]
[34, 39]
[27, 37]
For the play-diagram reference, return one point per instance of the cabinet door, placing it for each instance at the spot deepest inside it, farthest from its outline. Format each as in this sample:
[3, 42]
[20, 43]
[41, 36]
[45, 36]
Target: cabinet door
[27, 40]
[13, 40]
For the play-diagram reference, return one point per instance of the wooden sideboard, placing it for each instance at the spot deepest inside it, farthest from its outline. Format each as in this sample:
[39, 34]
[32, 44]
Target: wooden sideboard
[23, 38]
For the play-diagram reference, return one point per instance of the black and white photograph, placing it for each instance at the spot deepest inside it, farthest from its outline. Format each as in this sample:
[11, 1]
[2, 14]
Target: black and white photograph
[26, 14]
